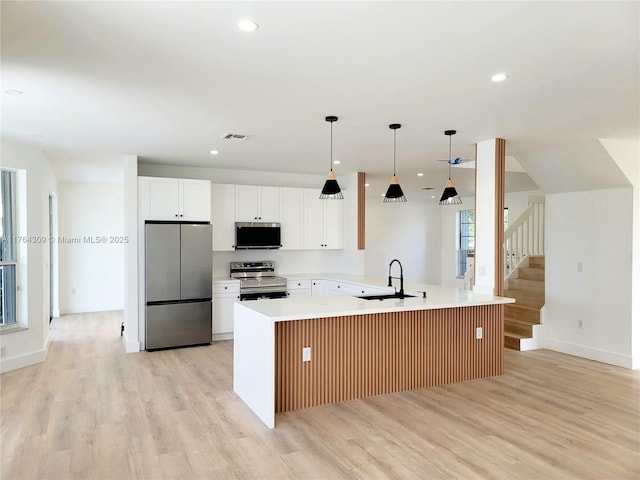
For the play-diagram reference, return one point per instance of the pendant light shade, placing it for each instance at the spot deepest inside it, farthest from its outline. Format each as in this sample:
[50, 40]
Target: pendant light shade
[450, 195]
[331, 189]
[394, 192]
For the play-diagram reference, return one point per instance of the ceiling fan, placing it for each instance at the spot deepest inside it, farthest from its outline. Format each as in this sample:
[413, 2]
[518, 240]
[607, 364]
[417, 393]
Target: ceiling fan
[456, 161]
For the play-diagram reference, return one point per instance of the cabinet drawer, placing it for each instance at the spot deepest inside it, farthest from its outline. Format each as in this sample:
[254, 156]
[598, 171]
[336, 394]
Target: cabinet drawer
[226, 287]
[338, 288]
[295, 284]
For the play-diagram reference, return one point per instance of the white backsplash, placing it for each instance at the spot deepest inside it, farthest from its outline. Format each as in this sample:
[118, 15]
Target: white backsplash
[295, 261]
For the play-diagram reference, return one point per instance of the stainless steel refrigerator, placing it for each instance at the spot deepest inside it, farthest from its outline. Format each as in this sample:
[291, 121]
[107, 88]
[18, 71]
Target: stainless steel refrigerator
[178, 259]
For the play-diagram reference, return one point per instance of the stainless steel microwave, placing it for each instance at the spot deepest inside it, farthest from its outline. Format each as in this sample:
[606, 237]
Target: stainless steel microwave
[257, 235]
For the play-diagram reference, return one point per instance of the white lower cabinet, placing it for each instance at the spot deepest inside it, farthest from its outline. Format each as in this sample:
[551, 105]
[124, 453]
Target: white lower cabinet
[317, 288]
[298, 288]
[225, 295]
[331, 287]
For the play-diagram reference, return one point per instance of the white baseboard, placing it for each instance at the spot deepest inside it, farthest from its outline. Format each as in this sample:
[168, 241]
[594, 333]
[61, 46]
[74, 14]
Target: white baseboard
[222, 336]
[130, 347]
[14, 363]
[70, 309]
[588, 353]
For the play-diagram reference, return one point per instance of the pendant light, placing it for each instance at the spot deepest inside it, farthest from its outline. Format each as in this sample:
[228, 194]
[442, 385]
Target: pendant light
[394, 192]
[331, 189]
[450, 195]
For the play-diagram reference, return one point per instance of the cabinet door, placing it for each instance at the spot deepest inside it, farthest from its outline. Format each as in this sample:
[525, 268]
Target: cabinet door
[317, 288]
[332, 223]
[246, 203]
[313, 219]
[268, 204]
[223, 217]
[291, 218]
[162, 199]
[195, 200]
[223, 312]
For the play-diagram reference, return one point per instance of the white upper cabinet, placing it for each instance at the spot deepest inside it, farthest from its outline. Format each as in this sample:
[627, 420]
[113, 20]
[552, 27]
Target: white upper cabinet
[322, 221]
[223, 217]
[292, 218]
[175, 199]
[195, 199]
[257, 204]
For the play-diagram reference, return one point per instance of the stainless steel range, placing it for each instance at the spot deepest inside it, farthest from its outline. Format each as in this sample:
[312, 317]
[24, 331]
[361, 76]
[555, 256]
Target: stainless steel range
[258, 280]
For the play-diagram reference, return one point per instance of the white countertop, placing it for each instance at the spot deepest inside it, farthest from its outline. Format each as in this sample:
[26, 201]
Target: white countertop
[286, 309]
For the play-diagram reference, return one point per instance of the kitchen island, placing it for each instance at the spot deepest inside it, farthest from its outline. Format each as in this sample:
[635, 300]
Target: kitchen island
[301, 352]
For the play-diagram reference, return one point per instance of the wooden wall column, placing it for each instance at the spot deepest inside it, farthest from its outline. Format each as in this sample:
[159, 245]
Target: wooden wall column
[362, 179]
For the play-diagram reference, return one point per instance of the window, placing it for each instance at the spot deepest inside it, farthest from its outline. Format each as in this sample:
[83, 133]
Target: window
[466, 239]
[8, 248]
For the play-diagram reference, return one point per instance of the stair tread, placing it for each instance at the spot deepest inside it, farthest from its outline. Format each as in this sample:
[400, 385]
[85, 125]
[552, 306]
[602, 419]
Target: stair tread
[519, 306]
[515, 335]
[523, 322]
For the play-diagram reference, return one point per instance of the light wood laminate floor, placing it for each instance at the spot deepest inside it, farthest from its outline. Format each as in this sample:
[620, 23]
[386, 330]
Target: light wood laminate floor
[92, 411]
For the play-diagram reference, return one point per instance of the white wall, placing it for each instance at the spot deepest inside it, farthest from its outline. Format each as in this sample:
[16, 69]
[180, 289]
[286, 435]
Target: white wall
[595, 228]
[29, 346]
[517, 202]
[407, 231]
[91, 274]
[239, 177]
[625, 152]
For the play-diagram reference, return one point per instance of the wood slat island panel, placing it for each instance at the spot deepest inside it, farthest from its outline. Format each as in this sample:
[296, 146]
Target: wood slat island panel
[363, 355]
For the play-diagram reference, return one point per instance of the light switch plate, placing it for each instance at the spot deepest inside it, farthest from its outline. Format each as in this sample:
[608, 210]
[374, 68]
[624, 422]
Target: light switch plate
[306, 354]
[478, 333]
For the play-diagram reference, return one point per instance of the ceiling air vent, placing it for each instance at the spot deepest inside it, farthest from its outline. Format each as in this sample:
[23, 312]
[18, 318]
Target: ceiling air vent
[237, 136]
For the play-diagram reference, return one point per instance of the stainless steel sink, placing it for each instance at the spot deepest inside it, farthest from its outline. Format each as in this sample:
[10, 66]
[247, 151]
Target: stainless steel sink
[386, 296]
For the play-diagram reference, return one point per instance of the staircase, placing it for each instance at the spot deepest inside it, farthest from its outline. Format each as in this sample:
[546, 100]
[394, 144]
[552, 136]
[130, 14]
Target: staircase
[526, 285]
[524, 275]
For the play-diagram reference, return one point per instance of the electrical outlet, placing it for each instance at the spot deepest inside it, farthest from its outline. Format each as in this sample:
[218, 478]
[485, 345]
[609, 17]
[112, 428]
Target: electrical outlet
[73, 291]
[579, 267]
[478, 333]
[580, 324]
[306, 354]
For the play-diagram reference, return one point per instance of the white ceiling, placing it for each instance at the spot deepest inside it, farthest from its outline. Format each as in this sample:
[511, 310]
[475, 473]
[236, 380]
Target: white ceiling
[165, 80]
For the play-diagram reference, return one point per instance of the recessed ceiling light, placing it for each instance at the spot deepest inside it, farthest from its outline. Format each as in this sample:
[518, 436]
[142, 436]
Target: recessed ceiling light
[433, 196]
[247, 26]
[499, 77]
[13, 92]
[336, 162]
[366, 184]
[214, 152]
[421, 174]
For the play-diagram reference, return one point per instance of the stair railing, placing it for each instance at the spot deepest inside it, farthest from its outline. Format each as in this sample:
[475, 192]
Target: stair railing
[525, 236]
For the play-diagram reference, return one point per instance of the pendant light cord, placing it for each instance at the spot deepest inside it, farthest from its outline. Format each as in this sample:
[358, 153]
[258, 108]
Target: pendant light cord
[394, 153]
[449, 157]
[331, 147]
